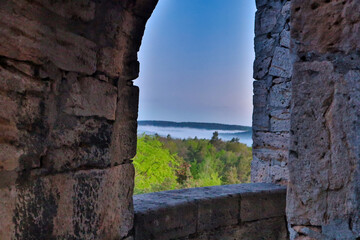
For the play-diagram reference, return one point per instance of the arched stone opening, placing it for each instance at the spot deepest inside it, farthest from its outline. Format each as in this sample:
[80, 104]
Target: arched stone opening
[64, 163]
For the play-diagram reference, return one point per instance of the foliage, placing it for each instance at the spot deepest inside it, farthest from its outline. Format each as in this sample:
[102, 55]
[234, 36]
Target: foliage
[155, 166]
[166, 163]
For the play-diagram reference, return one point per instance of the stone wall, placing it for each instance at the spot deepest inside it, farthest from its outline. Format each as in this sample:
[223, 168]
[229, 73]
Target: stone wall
[68, 117]
[323, 194]
[272, 92]
[245, 211]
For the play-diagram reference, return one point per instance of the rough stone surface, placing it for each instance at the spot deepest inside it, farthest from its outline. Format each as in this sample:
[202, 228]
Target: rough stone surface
[87, 204]
[68, 117]
[245, 211]
[324, 154]
[272, 92]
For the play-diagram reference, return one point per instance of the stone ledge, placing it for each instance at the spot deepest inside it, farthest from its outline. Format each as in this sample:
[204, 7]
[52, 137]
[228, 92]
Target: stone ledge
[186, 212]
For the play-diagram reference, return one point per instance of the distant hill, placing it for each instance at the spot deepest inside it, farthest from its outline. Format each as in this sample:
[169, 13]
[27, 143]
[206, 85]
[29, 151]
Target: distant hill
[198, 125]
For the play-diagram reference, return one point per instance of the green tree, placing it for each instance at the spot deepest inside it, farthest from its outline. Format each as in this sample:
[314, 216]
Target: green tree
[155, 167]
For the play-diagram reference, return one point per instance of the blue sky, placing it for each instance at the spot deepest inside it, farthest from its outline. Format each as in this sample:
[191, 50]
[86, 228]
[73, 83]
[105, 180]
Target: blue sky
[196, 62]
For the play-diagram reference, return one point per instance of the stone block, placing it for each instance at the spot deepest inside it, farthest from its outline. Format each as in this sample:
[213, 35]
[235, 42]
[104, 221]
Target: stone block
[279, 125]
[269, 170]
[80, 9]
[157, 216]
[267, 154]
[271, 140]
[218, 212]
[12, 81]
[280, 113]
[128, 101]
[265, 45]
[89, 204]
[310, 142]
[260, 100]
[261, 67]
[119, 63]
[261, 119]
[285, 38]
[280, 95]
[280, 80]
[267, 229]
[340, 37]
[78, 143]
[265, 20]
[91, 97]
[261, 206]
[29, 38]
[260, 88]
[281, 65]
[124, 141]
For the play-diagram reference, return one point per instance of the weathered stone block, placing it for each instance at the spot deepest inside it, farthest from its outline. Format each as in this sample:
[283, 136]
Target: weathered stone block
[119, 63]
[78, 143]
[269, 170]
[261, 67]
[280, 95]
[91, 97]
[266, 20]
[260, 170]
[124, 142]
[285, 38]
[261, 119]
[80, 9]
[16, 82]
[281, 65]
[323, 27]
[128, 101]
[260, 100]
[279, 125]
[260, 88]
[271, 140]
[268, 154]
[265, 45]
[267, 229]
[27, 38]
[91, 204]
[262, 206]
[217, 212]
[322, 144]
[158, 216]
[280, 113]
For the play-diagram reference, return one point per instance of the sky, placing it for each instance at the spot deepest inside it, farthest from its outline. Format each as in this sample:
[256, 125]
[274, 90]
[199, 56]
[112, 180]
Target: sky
[196, 62]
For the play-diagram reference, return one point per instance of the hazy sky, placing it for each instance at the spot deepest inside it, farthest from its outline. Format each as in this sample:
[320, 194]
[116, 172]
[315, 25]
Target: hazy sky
[196, 62]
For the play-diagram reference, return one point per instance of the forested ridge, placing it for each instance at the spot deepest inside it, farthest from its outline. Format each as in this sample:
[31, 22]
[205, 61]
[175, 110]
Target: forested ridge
[198, 125]
[164, 163]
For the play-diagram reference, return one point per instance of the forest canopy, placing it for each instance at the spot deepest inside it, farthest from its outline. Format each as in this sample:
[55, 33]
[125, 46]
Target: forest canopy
[166, 163]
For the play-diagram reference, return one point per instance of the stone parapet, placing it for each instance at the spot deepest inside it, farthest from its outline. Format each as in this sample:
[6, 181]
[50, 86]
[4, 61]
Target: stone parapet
[241, 211]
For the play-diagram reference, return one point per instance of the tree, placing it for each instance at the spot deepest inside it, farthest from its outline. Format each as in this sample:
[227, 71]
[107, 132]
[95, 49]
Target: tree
[155, 167]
